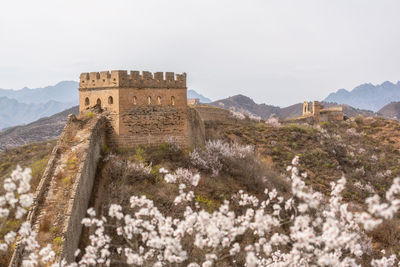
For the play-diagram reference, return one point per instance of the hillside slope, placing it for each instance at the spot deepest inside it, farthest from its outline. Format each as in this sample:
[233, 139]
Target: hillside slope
[391, 110]
[41, 130]
[365, 151]
[243, 155]
[247, 105]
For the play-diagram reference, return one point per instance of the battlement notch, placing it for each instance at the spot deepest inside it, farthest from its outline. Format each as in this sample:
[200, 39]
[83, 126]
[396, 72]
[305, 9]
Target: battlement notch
[134, 79]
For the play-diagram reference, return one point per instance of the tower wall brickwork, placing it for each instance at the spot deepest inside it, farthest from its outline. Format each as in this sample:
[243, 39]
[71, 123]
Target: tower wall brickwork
[143, 108]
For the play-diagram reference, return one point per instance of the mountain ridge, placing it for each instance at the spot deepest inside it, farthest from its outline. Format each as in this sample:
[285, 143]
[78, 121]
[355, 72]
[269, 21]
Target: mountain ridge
[13, 112]
[391, 110]
[64, 91]
[247, 105]
[193, 94]
[367, 96]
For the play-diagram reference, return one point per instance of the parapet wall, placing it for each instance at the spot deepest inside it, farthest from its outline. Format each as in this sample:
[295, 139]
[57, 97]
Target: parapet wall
[213, 114]
[134, 79]
[63, 194]
[82, 189]
[319, 113]
[196, 128]
[332, 114]
[40, 193]
[80, 145]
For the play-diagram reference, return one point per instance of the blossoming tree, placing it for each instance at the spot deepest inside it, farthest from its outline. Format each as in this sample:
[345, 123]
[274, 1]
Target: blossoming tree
[305, 229]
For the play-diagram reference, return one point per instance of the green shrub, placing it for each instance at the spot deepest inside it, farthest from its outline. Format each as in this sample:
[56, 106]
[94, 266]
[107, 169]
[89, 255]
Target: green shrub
[66, 181]
[325, 124]
[53, 229]
[4, 166]
[105, 149]
[140, 154]
[38, 168]
[57, 241]
[205, 201]
[359, 121]
[71, 163]
[90, 115]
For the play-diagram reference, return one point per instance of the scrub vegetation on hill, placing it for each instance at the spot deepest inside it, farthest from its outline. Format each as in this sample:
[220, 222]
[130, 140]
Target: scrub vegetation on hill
[364, 150]
[253, 156]
[250, 164]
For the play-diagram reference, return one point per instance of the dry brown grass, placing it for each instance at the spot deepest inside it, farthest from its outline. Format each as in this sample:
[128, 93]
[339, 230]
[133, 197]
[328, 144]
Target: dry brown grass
[386, 236]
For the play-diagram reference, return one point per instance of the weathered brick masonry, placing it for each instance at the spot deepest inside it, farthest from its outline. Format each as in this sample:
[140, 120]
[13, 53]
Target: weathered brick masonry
[143, 108]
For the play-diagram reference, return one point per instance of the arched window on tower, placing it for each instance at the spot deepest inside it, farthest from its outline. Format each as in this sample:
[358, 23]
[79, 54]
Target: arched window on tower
[134, 100]
[173, 100]
[87, 102]
[149, 100]
[110, 100]
[158, 100]
[98, 102]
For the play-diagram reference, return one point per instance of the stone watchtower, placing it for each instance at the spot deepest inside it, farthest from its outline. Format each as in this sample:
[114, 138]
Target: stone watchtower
[143, 108]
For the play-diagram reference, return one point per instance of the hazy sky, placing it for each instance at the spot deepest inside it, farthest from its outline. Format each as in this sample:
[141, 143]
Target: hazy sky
[277, 52]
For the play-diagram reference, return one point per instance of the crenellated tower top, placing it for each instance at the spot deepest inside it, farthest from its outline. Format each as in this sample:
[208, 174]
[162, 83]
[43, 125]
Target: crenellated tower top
[135, 79]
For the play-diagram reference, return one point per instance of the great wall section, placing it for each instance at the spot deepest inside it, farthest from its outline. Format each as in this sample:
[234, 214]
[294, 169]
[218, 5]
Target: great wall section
[62, 196]
[117, 110]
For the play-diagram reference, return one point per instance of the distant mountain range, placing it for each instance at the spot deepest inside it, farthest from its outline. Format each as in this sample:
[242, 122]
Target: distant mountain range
[194, 94]
[13, 112]
[27, 105]
[367, 96]
[247, 105]
[65, 92]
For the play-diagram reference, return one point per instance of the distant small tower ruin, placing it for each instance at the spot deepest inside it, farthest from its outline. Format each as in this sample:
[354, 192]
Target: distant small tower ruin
[193, 101]
[306, 110]
[319, 113]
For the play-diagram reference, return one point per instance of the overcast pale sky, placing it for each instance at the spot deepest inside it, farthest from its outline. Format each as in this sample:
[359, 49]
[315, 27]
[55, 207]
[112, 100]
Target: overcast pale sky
[277, 52]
